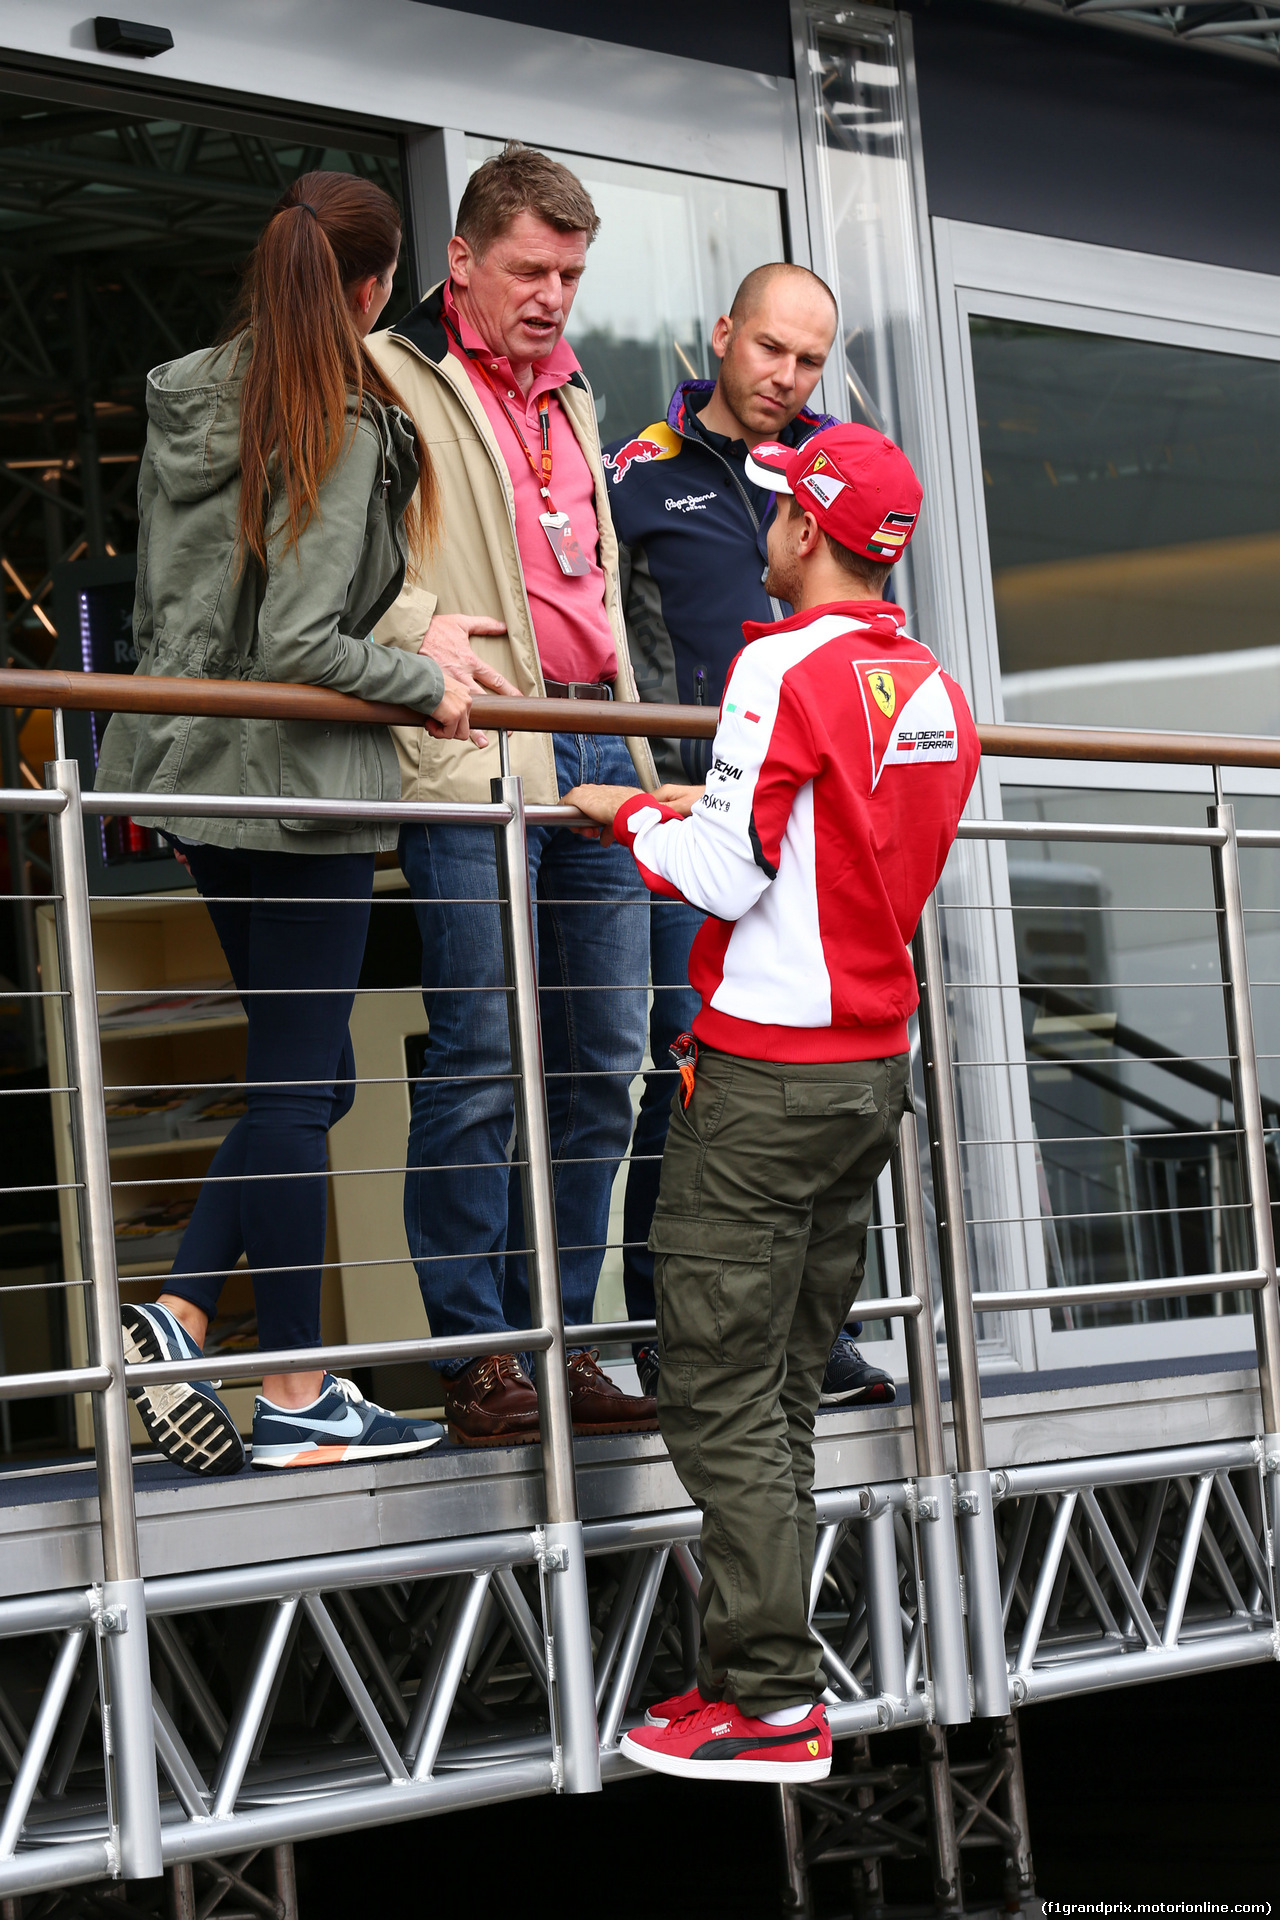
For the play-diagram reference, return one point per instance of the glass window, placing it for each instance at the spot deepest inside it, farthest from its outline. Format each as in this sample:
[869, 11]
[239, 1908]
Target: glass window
[130, 230]
[860, 101]
[1129, 1074]
[1133, 510]
[865, 184]
[671, 252]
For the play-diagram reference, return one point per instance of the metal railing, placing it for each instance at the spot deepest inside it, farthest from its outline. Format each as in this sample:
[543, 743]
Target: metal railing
[963, 1301]
[888, 1657]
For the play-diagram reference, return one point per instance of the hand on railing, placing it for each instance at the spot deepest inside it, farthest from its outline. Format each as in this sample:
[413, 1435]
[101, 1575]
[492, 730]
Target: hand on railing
[599, 804]
[451, 720]
[681, 800]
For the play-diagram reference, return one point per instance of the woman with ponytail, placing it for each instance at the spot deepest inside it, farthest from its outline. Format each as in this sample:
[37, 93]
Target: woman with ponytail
[282, 496]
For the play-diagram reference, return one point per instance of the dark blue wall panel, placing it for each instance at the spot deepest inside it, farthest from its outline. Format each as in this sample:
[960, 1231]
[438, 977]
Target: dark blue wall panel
[1057, 126]
[755, 34]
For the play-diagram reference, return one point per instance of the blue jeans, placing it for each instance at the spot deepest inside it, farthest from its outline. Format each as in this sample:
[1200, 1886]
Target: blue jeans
[462, 1206]
[287, 921]
[672, 926]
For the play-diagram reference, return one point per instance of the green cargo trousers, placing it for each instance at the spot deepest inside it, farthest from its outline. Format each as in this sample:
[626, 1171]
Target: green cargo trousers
[759, 1241]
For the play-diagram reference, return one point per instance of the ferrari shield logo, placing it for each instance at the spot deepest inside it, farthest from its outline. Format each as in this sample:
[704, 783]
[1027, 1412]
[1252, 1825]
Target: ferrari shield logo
[813, 1746]
[910, 719]
[883, 691]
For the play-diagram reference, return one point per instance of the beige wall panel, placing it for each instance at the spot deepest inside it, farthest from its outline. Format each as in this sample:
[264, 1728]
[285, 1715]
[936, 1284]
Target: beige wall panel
[380, 1302]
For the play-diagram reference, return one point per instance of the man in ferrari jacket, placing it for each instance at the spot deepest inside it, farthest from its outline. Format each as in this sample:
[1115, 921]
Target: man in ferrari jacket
[692, 525]
[843, 759]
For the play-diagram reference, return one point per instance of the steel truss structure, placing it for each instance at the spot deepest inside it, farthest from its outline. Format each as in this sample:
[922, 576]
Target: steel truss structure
[1245, 28]
[932, 1812]
[153, 1721]
[121, 236]
[386, 1685]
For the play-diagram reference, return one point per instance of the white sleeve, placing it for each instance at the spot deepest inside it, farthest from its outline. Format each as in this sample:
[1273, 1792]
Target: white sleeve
[715, 859]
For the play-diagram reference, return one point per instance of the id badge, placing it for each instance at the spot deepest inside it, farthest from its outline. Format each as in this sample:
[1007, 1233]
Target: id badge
[564, 543]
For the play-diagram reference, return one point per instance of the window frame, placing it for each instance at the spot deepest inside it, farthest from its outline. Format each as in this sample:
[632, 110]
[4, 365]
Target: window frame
[1004, 274]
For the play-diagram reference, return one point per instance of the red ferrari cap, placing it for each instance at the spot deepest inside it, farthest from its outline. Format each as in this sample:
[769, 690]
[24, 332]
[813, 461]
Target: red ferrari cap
[859, 487]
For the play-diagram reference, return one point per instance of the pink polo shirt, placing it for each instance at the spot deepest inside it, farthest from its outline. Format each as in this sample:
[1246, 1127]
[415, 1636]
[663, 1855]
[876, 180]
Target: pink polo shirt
[570, 625]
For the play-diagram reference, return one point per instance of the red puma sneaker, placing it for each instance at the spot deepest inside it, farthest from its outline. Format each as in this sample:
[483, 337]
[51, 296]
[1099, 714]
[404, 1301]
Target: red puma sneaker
[720, 1743]
[663, 1712]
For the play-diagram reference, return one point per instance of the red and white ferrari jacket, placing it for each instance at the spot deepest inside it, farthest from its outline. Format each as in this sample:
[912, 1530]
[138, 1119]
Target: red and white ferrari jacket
[841, 764]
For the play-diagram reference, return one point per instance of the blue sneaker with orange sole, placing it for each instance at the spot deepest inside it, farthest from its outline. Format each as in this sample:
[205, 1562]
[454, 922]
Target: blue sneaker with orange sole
[186, 1419]
[340, 1426]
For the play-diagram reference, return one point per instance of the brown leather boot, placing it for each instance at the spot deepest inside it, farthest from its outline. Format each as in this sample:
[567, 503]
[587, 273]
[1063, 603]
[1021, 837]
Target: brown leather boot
[600, 1407]
[492, 1403]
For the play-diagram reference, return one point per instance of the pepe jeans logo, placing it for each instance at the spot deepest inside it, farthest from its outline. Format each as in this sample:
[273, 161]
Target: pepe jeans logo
[690, 503]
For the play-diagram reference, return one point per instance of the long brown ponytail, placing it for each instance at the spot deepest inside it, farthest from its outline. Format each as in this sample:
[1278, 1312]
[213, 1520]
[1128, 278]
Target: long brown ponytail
[306, 359]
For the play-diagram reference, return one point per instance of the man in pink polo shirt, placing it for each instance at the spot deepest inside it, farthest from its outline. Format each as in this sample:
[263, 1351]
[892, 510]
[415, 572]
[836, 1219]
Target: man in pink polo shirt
[575, 641]
[518, 594]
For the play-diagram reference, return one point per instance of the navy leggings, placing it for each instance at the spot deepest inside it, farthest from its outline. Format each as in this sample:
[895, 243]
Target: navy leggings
[288, 922]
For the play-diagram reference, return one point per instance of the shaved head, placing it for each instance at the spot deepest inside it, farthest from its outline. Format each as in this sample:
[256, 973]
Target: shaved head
[760, 279]
[771, 346]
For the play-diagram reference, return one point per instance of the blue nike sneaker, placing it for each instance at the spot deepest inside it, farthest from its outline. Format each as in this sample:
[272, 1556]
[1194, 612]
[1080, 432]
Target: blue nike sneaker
[187, 1421]
[340, 1425]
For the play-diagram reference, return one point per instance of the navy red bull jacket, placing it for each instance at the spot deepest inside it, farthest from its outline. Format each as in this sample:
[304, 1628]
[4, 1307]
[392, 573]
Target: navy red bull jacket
[842, 762]
[692, 552]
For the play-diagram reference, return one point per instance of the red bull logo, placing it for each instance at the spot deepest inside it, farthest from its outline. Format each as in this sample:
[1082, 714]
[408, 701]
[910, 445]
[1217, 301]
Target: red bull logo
[631, 454]
[657, 442]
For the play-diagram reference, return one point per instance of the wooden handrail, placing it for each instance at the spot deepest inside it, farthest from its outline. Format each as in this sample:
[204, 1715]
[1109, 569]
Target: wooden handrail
[268, 700]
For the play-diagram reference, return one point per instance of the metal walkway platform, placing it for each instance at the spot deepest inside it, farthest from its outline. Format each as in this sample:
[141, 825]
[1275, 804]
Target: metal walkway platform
[49, 1518]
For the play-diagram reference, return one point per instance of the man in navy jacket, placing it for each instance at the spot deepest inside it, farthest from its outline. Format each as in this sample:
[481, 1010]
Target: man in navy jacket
[692, 529]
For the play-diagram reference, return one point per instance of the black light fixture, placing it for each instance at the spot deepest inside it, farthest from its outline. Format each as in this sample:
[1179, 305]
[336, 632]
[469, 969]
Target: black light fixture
[130, 36]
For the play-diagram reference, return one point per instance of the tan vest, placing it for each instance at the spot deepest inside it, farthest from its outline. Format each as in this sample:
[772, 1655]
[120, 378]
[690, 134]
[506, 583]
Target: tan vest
[474, 566]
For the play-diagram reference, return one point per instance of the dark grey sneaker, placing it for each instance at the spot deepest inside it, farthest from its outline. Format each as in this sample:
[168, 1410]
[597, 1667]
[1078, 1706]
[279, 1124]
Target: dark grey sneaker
[852, 1381]
[186, 1420]
[647, 1370]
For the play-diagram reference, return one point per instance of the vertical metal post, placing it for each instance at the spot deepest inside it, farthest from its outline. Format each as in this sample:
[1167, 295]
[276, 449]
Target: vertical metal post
[975, 1507]
[1247, 1099]
[286, 1880]
[937, 1532]
[564, 1559]
[868, 1877]
[796, 1901]
[884, 1607]
[935, 1766]
[182, 1891]
[953, 1239]
[1020, 1880]
[24, 913]
[95, 518]
[122, 1622]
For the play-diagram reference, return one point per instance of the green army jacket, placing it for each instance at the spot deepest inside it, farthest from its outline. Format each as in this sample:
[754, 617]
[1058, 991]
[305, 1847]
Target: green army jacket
[306, 620]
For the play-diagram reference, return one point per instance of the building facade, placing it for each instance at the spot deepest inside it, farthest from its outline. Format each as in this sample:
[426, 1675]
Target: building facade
[1055, 244]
